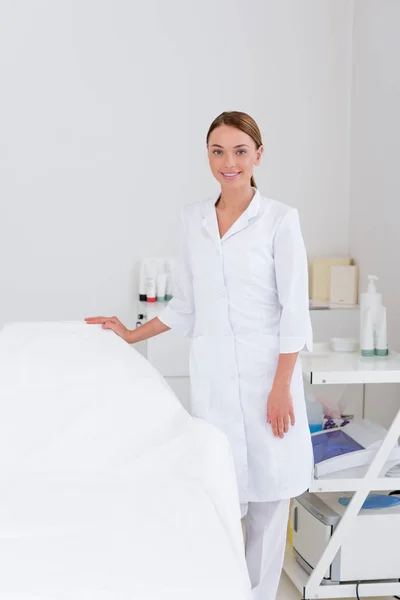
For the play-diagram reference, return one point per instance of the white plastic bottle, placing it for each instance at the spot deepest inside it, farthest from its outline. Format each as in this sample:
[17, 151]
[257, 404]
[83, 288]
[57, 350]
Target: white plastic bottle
[315, 413]
[142, 282]
[381, 343]
[150, 289]
[367, 342]
[170, 274]
[151, 278]
[161, 286]
[372, 300]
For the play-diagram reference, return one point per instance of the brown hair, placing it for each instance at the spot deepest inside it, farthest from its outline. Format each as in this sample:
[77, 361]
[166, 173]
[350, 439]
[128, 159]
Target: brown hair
[241, 121]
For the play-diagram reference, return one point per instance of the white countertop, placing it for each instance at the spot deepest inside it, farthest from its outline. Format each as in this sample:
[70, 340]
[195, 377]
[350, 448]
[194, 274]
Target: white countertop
[323, 366]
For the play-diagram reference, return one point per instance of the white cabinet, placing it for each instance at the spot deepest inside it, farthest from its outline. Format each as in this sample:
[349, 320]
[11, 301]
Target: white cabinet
[169, 354]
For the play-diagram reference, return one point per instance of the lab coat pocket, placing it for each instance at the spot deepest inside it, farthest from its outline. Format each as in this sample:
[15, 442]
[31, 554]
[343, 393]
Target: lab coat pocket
[261, 262]
[258, 355]
[253, 264]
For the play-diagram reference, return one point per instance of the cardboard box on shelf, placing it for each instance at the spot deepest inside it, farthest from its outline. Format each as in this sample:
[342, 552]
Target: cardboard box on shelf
[321, 276]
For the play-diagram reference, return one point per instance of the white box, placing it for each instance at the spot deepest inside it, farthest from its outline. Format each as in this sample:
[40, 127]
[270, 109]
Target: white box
[344, 285]
[320, 276]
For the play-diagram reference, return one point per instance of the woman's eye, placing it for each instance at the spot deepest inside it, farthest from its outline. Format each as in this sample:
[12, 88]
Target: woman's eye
[241, 152]
[218, 152]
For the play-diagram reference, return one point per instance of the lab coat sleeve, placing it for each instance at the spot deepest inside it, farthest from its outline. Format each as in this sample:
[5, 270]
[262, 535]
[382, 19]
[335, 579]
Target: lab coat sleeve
[179, 313]
[291, 272]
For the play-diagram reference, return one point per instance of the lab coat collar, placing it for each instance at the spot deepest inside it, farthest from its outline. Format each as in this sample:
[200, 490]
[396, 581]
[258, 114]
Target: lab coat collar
[254, 207]
[210, 222]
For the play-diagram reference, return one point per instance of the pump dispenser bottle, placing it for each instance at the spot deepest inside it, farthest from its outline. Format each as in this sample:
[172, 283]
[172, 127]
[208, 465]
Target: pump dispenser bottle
[373, 300]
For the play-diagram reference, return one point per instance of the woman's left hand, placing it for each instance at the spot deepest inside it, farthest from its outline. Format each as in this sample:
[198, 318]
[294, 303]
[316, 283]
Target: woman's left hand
[280, 412]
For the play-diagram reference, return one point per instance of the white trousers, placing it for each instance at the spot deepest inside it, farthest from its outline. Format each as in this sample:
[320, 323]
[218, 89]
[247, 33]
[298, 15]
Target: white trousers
[265, 530]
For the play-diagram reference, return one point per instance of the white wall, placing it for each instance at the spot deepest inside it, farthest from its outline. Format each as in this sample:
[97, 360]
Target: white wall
[103, 114]
[375, 154]
[375, 150]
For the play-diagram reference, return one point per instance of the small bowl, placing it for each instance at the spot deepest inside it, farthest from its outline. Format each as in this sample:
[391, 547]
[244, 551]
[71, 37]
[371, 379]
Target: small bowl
[344, 344]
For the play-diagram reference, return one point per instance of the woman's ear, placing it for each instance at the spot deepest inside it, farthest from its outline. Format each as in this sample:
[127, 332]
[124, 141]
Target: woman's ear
[260, 151]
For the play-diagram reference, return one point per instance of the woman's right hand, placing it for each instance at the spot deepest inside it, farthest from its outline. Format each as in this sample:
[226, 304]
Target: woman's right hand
[110, 323]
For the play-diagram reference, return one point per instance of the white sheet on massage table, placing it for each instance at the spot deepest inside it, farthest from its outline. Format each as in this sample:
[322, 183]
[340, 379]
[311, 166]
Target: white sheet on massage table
[109, 490]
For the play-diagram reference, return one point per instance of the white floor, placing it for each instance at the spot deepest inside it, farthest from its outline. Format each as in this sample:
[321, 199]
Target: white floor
[287, 591]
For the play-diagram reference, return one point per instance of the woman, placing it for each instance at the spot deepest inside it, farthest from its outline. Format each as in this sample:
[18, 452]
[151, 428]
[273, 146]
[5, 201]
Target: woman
[242, 295]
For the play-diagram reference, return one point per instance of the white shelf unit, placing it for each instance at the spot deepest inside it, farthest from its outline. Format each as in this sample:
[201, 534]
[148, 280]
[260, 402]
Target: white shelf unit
[326, 367]
[323, 366]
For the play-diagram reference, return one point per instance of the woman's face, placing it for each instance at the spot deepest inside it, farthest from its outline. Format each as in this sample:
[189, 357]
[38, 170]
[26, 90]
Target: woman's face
[232, 155]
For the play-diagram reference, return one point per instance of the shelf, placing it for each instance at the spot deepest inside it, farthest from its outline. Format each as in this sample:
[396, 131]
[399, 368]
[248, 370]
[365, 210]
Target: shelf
[352, 484]
[316, 305]
[323, 366]
[300, 578]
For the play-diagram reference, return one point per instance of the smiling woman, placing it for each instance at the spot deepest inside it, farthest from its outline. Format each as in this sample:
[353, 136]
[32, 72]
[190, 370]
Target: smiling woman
[241, 293]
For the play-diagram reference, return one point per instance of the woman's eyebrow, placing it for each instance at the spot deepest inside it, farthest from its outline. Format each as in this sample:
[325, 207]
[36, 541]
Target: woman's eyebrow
[238, 146]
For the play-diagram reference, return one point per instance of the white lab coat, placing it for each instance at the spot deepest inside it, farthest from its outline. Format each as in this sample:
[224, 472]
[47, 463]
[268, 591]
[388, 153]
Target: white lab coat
[244, 300]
